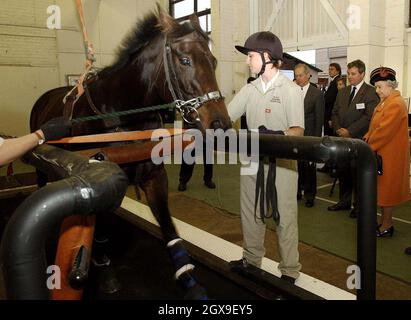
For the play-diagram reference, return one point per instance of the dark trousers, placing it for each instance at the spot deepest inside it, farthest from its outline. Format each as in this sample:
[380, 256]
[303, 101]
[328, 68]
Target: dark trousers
[307, 179]
[347, 176]
[186, 170]
[327, 130]
[330, 133]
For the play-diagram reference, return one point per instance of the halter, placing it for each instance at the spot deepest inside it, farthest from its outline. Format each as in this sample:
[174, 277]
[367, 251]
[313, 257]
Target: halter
[185, 107]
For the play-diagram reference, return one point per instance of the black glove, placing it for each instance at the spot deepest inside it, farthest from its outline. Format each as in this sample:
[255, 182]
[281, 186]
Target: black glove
[264, 130]
[56, 128]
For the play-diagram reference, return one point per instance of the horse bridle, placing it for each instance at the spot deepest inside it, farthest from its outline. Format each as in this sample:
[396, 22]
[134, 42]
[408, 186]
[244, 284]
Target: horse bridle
[185, 107]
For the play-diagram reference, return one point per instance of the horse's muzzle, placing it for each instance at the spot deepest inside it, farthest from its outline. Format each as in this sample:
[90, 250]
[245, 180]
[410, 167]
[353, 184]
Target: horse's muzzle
[218, 124]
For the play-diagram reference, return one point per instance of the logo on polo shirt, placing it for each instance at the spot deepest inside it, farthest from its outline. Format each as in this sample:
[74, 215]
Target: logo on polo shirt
[276, 99]
[267, 110]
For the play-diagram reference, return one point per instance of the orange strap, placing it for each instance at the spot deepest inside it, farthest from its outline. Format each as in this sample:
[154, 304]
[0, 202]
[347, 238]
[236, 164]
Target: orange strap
[89, 55]
[89, 49]
[120, 136]
[89, 45]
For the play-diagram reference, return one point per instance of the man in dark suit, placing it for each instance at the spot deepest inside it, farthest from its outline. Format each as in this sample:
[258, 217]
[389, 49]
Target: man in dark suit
[314, 119]
[351, 118]
[330, 95]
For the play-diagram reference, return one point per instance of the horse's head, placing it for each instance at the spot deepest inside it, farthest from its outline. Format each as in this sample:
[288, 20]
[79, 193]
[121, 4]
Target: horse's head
[189, 71]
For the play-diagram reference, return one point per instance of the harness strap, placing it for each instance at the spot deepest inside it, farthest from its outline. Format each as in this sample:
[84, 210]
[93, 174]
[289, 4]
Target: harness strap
[90, 59]
[119, 136]
[69, 101]
[170, 72]
[90, 101]
[110, 122]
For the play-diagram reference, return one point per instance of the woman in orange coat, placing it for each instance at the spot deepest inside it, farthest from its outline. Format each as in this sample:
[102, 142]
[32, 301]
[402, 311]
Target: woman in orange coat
[388, 136]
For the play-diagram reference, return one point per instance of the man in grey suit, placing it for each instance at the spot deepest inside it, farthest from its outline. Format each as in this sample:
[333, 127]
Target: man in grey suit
[314, 118]
[351, 118]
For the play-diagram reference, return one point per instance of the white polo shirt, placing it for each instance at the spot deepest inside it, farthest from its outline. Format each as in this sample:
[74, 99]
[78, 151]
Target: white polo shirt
[279, 108]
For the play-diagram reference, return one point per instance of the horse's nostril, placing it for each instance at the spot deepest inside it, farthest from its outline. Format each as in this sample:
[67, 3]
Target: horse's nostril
[215, 125]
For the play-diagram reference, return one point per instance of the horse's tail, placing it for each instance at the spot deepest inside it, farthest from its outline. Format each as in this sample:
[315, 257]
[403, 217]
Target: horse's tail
[48, 106]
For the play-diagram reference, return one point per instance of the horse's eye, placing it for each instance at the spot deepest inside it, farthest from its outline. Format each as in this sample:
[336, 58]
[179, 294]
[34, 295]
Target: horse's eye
[185, 61]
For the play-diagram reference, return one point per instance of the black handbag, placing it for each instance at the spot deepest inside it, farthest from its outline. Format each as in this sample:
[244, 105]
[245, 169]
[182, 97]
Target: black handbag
[379, 163]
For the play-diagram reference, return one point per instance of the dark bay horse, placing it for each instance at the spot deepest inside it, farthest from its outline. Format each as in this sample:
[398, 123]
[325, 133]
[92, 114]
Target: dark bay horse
[159, 62]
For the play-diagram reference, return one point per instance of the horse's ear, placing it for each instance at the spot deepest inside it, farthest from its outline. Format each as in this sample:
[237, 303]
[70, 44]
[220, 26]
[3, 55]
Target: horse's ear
[166, 21]
[194, 20]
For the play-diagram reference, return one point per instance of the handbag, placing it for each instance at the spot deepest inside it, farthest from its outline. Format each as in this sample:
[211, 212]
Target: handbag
[379, 164]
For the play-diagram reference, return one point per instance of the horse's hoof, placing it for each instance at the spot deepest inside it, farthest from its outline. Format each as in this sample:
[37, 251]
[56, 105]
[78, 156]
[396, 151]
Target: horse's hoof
[110, 286]
[107, 279]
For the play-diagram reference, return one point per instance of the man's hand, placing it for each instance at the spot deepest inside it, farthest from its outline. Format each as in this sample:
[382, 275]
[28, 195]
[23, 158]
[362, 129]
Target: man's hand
[56, 128]
[343, 133]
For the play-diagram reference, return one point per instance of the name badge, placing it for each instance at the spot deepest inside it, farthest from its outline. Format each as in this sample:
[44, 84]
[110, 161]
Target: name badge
[360, 106]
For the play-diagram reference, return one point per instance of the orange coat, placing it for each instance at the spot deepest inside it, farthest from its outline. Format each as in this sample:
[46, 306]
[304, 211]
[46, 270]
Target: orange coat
[388, 135]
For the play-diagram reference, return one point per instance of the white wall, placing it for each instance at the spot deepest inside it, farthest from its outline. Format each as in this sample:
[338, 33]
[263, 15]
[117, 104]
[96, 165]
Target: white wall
[382, 39]
[28, 61]
[230, 21]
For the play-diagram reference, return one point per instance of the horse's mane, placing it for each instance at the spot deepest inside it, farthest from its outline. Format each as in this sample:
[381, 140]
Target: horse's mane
[146, 30]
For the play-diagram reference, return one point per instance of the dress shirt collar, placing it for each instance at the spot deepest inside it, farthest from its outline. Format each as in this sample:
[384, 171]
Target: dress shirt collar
[270, 83]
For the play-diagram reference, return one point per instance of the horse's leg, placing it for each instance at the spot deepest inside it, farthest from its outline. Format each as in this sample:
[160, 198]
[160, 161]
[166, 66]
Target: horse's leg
[155, 186]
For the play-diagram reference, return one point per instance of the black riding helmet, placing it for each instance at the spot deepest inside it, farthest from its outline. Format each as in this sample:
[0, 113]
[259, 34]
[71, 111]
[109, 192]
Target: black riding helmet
[261, 42]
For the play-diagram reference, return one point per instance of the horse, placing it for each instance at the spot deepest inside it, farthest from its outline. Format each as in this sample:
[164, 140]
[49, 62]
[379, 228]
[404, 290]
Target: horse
[160, 61]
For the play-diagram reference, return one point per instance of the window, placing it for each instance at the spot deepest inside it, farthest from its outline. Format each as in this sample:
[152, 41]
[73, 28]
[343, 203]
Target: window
[182, 9]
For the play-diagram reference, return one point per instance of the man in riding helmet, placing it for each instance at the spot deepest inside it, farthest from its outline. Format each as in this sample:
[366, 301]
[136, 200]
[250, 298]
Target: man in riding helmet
[273, 104]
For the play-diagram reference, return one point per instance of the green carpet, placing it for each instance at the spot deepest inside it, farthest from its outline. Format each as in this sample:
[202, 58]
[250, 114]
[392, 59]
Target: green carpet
[333, 232]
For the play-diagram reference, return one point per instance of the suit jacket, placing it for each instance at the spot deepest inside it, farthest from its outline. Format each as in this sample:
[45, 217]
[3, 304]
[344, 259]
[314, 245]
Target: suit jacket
[314, 112]
[354, 117]
[330, 96]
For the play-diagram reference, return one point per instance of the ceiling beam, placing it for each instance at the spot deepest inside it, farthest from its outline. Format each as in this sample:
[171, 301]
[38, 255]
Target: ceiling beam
[341, 26]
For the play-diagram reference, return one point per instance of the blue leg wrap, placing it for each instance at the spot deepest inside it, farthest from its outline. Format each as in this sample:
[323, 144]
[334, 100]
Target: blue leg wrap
[179, 255]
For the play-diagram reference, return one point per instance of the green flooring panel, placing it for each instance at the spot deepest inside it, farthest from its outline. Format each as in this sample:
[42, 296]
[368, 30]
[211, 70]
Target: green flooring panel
[333, 232]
